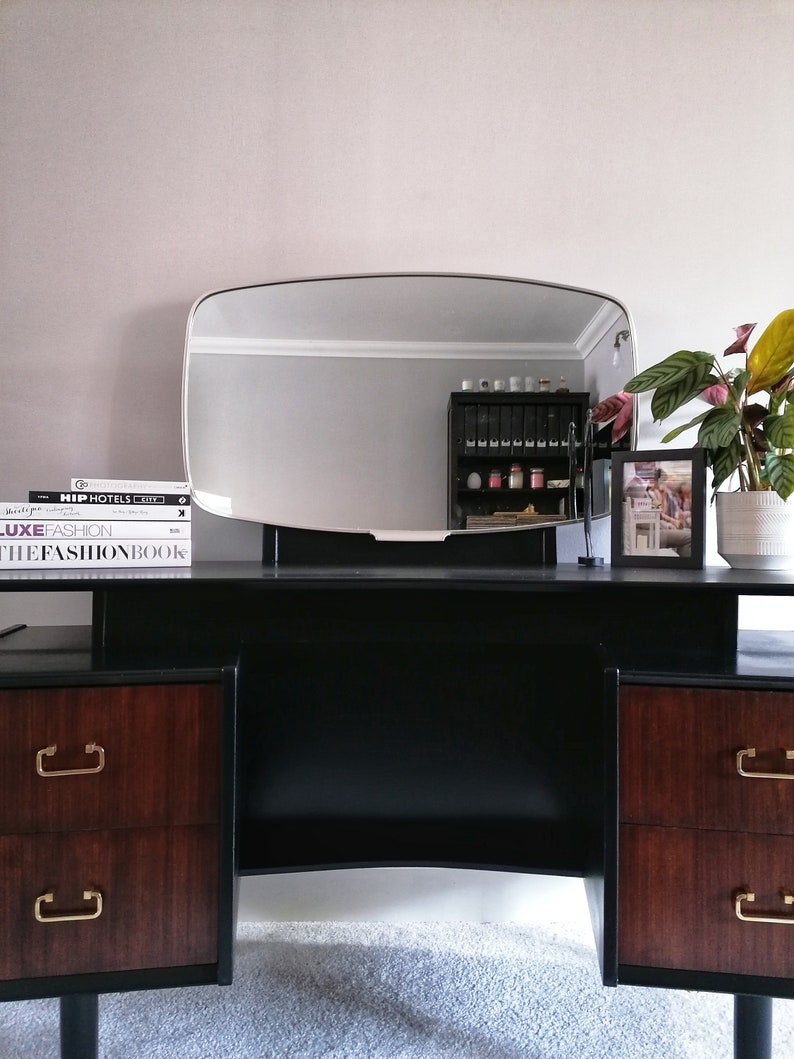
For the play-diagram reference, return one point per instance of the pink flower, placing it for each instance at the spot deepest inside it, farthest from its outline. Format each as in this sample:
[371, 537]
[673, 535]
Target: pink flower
[716, 394]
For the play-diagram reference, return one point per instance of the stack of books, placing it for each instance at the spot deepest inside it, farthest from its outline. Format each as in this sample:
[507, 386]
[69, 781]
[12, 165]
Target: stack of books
[98, 523]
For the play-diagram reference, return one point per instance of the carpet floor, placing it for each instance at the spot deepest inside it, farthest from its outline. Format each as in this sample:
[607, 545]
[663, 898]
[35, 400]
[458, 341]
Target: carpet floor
[403, 991]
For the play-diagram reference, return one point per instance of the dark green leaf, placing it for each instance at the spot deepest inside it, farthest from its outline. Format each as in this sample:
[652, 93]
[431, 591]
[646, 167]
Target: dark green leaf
[779, 430]
[667, 370]
[738, 379]
[724, 462]
[673, 434]
[779, 472]
[672, 395]
[753, 414]
[778, 396]
[737, 376]
[760, 444]
[719, 428]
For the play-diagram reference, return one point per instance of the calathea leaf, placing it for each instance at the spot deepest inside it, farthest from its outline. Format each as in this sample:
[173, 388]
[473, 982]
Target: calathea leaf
[673, 434]
[779, 430]
[779, 472]
[780, 393]
[760, 444]
[724, 462]
[753, 414]
[743, 332]
[605, 411]
[623, 421]
[672, 395]
[719, 427]
[773, 353]
[667, 370]
[738, 379]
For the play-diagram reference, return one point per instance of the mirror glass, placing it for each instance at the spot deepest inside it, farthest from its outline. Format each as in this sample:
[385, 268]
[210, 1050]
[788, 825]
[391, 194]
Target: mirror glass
[325, 403]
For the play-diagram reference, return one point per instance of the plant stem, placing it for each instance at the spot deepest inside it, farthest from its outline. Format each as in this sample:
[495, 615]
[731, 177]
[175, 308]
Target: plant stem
[752, 461]
[750, 470]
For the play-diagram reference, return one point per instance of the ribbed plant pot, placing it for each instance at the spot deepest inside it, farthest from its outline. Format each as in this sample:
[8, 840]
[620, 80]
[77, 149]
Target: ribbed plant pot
[755, 530]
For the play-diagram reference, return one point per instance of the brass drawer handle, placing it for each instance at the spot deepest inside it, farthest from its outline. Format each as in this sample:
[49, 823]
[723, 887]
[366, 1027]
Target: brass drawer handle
[750, 896]
[750, 752]
[49, 897]
[49, 751]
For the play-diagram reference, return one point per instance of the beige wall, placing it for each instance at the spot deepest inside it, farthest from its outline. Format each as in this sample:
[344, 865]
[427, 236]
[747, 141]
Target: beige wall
[155, 149]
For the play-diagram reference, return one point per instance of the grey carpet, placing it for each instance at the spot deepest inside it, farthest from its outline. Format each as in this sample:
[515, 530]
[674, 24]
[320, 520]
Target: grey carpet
[407, 991]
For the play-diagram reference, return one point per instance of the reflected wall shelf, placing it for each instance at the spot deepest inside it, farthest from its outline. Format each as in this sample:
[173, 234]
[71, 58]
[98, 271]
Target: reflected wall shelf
[491, 432]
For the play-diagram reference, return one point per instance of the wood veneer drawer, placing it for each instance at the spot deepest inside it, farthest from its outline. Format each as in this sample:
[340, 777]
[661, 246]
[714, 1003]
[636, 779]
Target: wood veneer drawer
[159, 891]
[678, 758]
[160, 745]
[677, 900]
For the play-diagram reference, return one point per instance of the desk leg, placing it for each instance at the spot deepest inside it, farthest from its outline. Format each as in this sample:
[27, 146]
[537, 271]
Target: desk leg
[80, 1026]
[752, 1027]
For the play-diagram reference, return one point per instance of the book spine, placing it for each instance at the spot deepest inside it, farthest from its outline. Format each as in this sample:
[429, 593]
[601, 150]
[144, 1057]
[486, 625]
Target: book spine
[97, 554]
[124, 485]
[139, 512]
[95, 529]
[37, 496]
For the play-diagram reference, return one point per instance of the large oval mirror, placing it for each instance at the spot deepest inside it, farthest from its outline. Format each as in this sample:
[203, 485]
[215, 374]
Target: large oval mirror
[373, 403]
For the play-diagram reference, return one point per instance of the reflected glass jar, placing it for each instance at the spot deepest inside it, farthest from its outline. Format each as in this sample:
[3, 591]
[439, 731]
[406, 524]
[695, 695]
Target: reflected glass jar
[516, 477]
[495, 479]
[536, 478]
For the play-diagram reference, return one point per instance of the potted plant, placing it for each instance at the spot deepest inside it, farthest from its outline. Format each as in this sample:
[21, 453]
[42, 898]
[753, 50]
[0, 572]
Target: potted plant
[747, 434]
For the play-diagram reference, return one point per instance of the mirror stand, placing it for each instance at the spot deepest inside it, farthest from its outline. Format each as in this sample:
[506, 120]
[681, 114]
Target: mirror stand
[285, 546]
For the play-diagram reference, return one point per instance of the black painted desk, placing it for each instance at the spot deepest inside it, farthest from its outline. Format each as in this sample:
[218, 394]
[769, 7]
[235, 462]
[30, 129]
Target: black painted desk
[433, 715]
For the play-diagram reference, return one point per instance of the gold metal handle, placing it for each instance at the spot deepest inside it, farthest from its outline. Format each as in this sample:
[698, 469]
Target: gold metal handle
[49, 751]
[749, 896]
[750, 752]
[49, 897]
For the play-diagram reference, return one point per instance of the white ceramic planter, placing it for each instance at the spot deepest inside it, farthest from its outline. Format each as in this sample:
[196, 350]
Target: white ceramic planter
[755, 531]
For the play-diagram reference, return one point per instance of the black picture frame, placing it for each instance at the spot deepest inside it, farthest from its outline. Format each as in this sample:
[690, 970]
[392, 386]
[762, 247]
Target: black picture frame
[653, 522]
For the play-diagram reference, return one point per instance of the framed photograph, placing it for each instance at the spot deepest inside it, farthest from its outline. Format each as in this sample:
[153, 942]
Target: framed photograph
[658, 508]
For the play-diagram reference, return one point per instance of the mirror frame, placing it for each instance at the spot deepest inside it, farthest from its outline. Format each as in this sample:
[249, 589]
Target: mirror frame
[430, 535]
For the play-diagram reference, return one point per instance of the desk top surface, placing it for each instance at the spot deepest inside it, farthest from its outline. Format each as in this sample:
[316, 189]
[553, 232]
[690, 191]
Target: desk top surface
[560, 577]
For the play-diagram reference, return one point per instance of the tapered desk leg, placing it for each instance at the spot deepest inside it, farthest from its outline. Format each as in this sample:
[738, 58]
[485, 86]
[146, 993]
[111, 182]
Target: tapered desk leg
[752, 1027]
[80, 1026]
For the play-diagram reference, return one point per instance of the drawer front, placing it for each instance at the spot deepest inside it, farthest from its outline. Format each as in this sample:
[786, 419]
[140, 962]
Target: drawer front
[133, 756]
[159, 901]
[678, 758]
[678, 894]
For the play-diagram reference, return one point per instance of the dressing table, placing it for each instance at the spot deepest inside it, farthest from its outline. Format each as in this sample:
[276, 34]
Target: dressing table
[384, 688]
[499, 717]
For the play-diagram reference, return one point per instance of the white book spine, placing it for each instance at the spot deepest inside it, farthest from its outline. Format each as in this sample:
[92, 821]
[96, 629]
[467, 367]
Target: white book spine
[23, 509]
[97, 554]
[123, 485]
[25, 530]
[49, 496]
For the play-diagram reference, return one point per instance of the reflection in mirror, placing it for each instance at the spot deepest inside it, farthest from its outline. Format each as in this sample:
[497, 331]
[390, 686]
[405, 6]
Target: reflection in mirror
[329, 403]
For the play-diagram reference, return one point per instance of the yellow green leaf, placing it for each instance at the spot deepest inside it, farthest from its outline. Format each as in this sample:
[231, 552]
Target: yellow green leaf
[773, 353]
